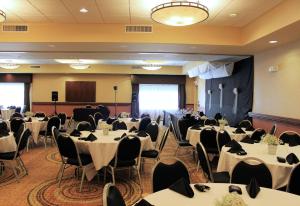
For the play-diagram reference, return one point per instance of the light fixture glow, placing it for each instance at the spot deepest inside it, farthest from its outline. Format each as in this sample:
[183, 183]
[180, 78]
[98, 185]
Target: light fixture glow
[233, 15]
[79, 66]
[84, 10]
[273, 41]
[9, 66]
[151, 67]
[2, 16]
[75, 61]
[179, 13]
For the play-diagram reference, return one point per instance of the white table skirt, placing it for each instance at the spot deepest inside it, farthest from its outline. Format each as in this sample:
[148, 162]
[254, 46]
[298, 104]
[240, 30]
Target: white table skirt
[6, 113]
[8, 143]
[280, 171]
[35, 127]
[104, 148]
[265, 197]
[193, 135]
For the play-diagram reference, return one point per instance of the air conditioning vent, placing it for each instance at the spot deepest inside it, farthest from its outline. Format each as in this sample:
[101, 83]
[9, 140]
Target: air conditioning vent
[15, 28]
[136, 67]
[138, 29]
[35, 66]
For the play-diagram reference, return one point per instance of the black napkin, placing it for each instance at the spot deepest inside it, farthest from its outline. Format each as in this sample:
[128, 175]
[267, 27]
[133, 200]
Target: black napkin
[239, 131]
[91, 138]
[75, 133]
[253, 188]
[45, 119]
[292, 159]
[250, 128]
[247, 140]
[29, 120]
[134, 120]
[235, 146]
[182, 186]
[133, 129]
[4, 133]
[142, 134]
[196, 127]
[143, 202]
[123, 135]
[293, 141]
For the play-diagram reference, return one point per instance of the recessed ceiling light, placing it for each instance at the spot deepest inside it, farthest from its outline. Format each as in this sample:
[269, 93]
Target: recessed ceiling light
[79, 66]
[233, 15]
[51, 45]
[9, 66]
[151, 67]
[273, 41]
[84, 10]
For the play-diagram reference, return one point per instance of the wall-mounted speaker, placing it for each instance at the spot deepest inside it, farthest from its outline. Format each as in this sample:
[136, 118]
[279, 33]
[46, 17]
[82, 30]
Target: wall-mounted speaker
[54, 96]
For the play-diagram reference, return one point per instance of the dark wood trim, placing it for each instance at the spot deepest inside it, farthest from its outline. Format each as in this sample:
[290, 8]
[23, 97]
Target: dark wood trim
[23, 78]
[82, 103]
[273, 118]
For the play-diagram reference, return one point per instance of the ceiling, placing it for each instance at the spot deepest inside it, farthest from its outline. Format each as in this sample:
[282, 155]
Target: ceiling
[126, 11]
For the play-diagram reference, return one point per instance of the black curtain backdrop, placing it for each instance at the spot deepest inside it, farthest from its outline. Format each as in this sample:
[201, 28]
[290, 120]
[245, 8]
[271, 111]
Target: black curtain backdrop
[135, 101]
[26, 97]
[242, 78]
[181, 96]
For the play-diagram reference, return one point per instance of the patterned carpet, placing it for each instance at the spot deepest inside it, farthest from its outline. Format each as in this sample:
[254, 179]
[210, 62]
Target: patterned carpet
[41, 188]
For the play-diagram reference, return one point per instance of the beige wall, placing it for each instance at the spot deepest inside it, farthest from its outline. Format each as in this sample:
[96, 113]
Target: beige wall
[278, 93]
[201, 94]
[190, 90]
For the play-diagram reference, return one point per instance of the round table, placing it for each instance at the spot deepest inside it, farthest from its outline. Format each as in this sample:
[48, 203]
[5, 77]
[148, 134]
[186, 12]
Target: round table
[127, 121]
[193, 135]
[35, 126]
[6, 113]
[265, 197]
[8, 143]
[104, 148]
[280, 171]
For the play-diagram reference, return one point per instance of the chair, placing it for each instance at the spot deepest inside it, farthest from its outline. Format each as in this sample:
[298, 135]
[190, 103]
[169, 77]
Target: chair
[249, 168]
[16, 114]
[222, 139]
[88, 106]
[55, 133]
[84, 126]
[110, 120]
[40, 114]
[92, 122]
[117, 125]
[290, 136]
[152, 129]
[293, 184]
[63, 119]
[211, 122]
[217, 177]
[245, 123]
[144, 123]
[258, 134]
[104, 111]
[183, 125]
[14, 158]
[3, 126]
[154, 154]
[18, 110]
[164, 175]
[208, 138]
[145, 115]
[158, 119]
[112, 196]
[52, 122]
[273, 129]
[218, 116]
[180, 143]
[97, 117]
[15, 123]
[127, 155]
[70, 156]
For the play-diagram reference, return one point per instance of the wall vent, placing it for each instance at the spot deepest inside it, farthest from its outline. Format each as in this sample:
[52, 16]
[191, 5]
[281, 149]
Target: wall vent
[35, 66]
[15, 28]
[138, 29]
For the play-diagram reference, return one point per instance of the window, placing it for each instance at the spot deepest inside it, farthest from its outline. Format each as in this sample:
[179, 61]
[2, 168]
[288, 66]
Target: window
[11, 94]
[154, 98]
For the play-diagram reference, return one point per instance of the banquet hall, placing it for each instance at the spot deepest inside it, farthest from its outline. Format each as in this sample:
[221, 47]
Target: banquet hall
[138, 102]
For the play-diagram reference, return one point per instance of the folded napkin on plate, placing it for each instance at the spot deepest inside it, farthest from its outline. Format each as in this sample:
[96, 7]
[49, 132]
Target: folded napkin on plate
[247, 140]
[182, 186]
[75, 133]
[119, 138]
[91, 138]
[123, 135]
[4, 133]
[235, 146]
[29, 120]
[292, 159]
[45, 119]
[143, 202]
[133, 129]
[250, 128]
[142, 134]
[196, 127]
[239, 131]
[134, 120]
[253, 188]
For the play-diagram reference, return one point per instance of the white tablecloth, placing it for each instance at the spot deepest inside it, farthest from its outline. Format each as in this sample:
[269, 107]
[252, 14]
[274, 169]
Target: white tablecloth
[35, 127]
[265, 197]
[104, 148]
[193, 135]
[8, 143]
[127, 121]
[6, 113]
[280, 171]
